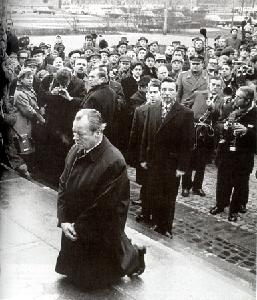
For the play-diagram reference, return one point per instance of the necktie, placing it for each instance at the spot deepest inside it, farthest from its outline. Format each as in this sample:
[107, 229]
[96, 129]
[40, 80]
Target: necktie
[165, 110]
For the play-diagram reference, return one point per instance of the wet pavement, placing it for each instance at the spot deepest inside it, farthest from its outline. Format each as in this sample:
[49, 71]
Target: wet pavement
[179, 269]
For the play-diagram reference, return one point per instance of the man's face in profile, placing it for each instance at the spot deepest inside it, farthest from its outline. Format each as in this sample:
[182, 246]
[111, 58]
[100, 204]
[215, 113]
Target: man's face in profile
[83, 137]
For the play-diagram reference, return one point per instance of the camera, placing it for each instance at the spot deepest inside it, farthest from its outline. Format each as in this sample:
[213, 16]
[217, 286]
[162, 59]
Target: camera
[62, 92]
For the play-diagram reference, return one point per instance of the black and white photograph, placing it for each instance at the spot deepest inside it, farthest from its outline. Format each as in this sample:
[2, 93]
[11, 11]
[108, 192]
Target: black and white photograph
[128, 149]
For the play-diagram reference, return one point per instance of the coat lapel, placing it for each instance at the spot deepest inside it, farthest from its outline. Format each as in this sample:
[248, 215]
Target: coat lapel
[170, 115]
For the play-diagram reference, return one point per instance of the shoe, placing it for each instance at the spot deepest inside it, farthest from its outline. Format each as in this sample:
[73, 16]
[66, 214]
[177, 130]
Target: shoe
[168, 234]
[199, 192]
[141, 265]
[185, 193]
[156, 228]
[136, 202]
[216, 210]
[232, 217]
[142, 218]
[23, 170]
[163, 232]
[243, 209]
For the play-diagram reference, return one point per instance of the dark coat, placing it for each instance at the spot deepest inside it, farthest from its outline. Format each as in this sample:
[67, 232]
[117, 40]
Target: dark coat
[130, 86]
[136, 135]
[94, 194]
[241, 160]
[166, 147]
[151, 72]
[136, 100]
[168, 143]
[135, 141]
[103, 99]
[117, 87]
[60, 112]
[12, 43]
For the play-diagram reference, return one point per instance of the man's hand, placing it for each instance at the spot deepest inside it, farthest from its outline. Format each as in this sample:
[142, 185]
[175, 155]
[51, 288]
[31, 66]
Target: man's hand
[209, 103]
[55, 91]
[64, 93]
[143, 165]
[179, 173]
[69, 231]
[239, 129]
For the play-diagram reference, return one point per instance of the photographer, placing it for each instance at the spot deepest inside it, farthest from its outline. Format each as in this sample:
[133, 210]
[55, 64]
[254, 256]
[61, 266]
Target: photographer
[61, 94]
[235, 155]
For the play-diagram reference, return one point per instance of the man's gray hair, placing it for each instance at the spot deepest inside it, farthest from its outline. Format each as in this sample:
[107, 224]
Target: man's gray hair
[94, 117]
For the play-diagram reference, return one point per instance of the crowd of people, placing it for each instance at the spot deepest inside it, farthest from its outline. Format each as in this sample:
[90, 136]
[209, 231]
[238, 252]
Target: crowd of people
[170, 109]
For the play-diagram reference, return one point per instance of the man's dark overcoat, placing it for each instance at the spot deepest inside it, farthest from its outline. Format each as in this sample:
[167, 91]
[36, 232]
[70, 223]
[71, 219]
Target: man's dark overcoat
[104, 99]
[135, 141]
[94, 194]
[166, 147]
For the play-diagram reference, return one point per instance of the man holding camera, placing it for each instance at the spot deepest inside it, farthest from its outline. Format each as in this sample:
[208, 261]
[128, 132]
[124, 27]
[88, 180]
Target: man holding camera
[235, 157]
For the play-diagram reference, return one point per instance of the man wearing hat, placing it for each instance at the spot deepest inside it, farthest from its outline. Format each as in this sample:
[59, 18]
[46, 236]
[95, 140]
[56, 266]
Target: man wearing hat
[195, 79]
[32, 64]
[141, 54]
[123, 67]
[234, 41]
[39, 54]
[139, 97]
[142, 42]
[114, 58]
[105, 53]
[94, 59]
[176, 67]
[22, 55]
[149, 67]
[160, 59]
[154, 47]
[122, 47]
[192, 84]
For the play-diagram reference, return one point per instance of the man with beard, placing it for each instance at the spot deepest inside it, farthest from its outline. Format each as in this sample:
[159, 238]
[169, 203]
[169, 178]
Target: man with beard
[167, 142]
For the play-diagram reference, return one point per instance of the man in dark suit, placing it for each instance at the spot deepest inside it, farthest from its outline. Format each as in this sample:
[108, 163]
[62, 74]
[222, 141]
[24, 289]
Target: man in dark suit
[153, 95]
[92, 209]
[167, 142]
